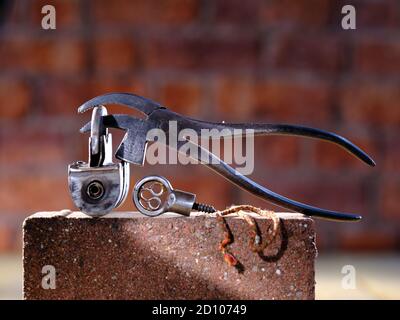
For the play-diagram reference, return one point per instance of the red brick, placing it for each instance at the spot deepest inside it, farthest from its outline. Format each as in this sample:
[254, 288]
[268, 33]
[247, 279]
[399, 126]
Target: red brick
[67, 56]
[32, 148]
[68, 15]
[237, 12]
[15, 98]
[371, 104]
[390, 199]
[202, 52]
[366, 240]
[298, 102]
[24, 193]
[234, 98]
[182, 97]
[330, 156]
[299, 13]
[114, 54]
[48, 55]
[377, 57]
[170, 257]
[392, 152]
[166, 12]
[306, 52]
[60, 96]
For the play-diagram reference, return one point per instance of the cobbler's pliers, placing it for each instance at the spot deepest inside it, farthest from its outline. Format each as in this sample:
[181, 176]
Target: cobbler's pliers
[133, 146]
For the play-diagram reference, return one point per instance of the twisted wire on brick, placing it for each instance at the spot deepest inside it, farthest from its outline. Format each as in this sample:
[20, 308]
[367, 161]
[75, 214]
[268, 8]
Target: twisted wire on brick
[256, 244]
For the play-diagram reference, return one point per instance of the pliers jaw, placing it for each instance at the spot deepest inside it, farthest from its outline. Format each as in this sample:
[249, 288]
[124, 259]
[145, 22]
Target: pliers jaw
[133, 147]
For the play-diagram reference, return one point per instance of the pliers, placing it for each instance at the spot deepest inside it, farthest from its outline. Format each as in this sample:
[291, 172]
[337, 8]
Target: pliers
[133, 146]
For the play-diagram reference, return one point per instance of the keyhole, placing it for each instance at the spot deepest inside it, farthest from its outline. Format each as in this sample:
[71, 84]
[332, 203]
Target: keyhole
[95, 190]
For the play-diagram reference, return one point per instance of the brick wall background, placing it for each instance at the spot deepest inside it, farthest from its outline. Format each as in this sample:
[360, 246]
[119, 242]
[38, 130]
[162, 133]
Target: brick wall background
[272, 61]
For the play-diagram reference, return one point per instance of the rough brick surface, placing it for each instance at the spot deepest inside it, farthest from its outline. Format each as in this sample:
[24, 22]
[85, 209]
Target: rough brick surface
[129, 256]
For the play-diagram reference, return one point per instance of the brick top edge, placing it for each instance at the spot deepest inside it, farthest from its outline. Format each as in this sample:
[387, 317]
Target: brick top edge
[137, 215]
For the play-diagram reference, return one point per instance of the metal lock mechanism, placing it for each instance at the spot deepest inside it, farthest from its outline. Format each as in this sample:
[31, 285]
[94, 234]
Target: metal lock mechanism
[99, 186]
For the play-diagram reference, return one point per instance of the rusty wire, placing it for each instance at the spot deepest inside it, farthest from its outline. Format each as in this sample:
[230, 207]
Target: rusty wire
[255, 242]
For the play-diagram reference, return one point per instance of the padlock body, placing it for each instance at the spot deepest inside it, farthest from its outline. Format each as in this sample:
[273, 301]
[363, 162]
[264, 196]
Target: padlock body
[98, 190]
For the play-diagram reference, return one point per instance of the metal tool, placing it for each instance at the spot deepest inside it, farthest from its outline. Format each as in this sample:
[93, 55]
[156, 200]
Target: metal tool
[100, 185]
[133, 147]
[154, 195]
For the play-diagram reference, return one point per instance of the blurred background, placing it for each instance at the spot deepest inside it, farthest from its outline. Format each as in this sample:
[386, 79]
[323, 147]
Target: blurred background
[286, 61]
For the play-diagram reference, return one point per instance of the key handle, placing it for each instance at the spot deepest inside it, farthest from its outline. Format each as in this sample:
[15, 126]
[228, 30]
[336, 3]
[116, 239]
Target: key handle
[151, 194]
[154, 195]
